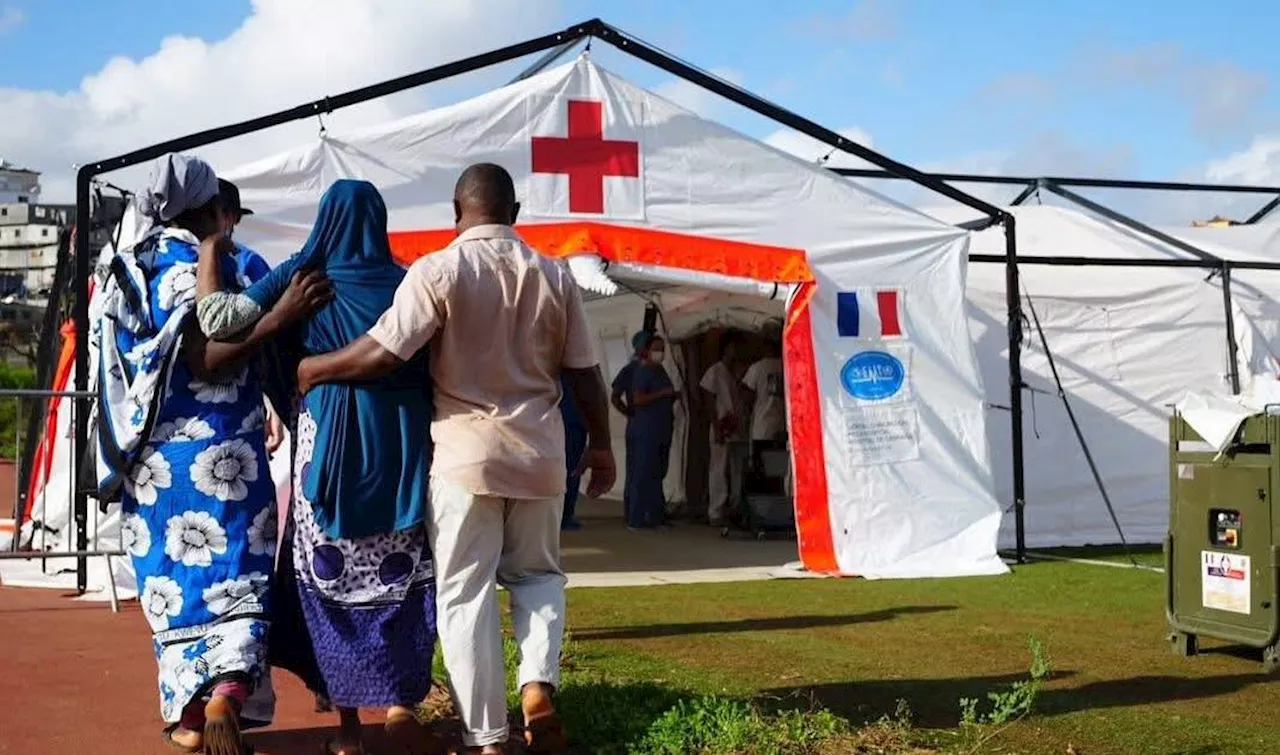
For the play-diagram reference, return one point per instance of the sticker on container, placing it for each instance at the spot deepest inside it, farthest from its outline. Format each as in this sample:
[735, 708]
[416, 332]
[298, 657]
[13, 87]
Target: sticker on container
[1186, 472]
[1225, 579]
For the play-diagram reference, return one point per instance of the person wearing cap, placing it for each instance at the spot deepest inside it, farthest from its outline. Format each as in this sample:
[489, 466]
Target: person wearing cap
[250, 268]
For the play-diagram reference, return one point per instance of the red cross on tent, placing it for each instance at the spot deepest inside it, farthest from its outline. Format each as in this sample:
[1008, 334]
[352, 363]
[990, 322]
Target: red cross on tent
[586, 156]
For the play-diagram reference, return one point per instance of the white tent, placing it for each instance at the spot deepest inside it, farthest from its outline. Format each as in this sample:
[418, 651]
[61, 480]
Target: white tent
[1128, 343]
[892, 476]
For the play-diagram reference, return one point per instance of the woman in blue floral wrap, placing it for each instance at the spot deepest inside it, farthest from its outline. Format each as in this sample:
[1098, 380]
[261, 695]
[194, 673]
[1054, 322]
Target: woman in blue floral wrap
[180, 444]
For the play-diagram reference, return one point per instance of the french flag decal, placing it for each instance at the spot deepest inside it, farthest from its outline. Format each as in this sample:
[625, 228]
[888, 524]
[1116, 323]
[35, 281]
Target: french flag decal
[869, 314]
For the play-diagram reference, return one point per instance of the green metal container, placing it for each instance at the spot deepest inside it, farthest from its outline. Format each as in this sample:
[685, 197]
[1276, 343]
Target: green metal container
[1222, 552]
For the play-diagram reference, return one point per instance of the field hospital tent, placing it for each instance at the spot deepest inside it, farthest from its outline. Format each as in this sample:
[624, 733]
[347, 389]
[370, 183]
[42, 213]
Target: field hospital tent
[886, 410]
[1128, 343]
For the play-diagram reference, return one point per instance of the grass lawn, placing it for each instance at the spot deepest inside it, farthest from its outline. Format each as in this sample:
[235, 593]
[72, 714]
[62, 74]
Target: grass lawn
[857, 648]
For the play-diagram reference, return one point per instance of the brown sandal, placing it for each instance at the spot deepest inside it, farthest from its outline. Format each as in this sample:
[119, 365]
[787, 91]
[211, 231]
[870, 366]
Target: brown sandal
[406, 734]
[222, 729]
[331, 747]
[175, 745]
[545, 734]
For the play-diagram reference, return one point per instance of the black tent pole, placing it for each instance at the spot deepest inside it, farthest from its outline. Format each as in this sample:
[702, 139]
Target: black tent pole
[1013, 301]
[80, 314]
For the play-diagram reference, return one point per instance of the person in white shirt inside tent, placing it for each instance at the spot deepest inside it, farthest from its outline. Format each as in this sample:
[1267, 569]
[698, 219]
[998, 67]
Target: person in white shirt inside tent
[765, 393]
[720, 387]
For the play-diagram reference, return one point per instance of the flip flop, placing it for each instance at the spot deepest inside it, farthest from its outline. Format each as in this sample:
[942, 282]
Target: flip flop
[406, 734]
[222, 730]
[175, 745]
[544, 734]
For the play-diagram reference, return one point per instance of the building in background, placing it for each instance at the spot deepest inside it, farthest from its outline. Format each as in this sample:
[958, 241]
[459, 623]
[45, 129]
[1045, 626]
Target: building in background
[29, 233]
[1217, 221]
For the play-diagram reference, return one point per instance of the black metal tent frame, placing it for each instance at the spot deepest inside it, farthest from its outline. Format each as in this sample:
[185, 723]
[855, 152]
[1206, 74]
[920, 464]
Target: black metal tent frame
[557, 43]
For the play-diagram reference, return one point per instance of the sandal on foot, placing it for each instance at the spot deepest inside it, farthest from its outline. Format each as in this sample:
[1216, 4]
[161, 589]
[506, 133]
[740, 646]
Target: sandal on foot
[406, 734]
[544, 733]
[332, 747]
[175, 745]
[222, 729]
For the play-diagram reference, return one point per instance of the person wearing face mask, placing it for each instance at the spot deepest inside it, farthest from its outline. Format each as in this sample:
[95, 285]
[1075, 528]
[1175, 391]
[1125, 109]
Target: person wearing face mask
[653, 398]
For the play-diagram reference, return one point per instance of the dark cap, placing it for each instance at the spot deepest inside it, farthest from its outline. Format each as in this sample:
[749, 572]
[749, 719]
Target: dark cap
[231, 197]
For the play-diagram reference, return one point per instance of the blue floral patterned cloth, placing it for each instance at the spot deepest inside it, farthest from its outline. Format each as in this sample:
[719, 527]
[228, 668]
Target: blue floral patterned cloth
[199, 503]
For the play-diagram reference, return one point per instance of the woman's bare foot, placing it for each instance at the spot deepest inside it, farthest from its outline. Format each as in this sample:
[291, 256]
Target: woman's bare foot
[222, 727]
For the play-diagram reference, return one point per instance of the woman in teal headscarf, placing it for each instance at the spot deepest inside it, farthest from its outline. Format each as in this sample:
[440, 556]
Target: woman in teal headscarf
[361, 455]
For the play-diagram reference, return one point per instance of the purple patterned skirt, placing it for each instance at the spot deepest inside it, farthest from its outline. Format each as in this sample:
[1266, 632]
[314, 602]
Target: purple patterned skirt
[368, 603]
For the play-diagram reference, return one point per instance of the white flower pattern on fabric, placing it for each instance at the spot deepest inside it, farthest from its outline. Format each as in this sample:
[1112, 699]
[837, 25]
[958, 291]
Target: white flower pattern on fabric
[144, 356]
[178, 282]
[247, 591]
[224, 471]
[306, 434]
[193, 538]
[161, 600]
[255, 420]
[183, 429]
[149, 475]
[262, 533]
[227, 392]
[135, 536]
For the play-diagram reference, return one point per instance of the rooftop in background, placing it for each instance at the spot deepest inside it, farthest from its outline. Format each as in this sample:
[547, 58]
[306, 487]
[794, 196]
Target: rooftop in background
[10, 167]
[1217, 221]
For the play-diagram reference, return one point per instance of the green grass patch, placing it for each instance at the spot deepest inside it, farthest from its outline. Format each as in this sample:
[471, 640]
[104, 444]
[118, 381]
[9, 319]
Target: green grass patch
[610, 714]
[851, 666]
[12, 378]
[617, 702]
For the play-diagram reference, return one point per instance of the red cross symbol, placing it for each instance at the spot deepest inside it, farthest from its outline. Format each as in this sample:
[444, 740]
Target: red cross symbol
[586, 156]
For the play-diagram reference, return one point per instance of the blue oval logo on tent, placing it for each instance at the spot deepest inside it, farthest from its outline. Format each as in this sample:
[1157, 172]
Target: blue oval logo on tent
[873, 375]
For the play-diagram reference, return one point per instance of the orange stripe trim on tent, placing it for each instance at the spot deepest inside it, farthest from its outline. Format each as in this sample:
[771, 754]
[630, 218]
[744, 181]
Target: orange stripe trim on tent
[813, 512]
[702, 254]
[42, 463]
[616, 243]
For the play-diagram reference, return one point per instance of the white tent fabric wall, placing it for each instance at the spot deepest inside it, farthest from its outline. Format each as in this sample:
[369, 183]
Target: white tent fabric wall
[1128, 343]
[933, 514]
[1256, 292]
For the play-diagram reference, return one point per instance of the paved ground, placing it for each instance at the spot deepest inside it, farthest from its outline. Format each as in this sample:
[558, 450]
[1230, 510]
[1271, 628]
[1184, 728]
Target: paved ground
[75, 678]
[605, 554]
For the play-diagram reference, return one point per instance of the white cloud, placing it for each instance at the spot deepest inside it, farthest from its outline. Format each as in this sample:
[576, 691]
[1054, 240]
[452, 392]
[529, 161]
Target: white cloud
[811, 150]
[1259, 163]
[285, 53]
[866, 21]
[11, 18]
[697, 99]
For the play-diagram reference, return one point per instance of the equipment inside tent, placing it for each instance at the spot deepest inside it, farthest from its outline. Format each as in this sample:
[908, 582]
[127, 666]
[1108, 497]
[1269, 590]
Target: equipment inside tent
[891, 471]
[1128, 343]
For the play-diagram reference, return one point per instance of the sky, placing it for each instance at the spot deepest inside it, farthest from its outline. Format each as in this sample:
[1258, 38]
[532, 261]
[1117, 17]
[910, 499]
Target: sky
[1142, 89]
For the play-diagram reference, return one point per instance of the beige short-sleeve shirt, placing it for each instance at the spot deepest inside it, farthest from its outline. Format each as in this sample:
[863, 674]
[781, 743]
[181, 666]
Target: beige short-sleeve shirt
[502, 321]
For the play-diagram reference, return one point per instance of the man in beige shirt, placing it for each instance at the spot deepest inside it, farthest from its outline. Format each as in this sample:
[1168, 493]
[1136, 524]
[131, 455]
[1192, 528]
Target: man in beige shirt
[503, 323]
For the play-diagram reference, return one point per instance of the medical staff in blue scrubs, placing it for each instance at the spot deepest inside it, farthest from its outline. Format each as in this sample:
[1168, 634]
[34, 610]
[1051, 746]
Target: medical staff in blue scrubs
[621, 399]
[653, 398]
